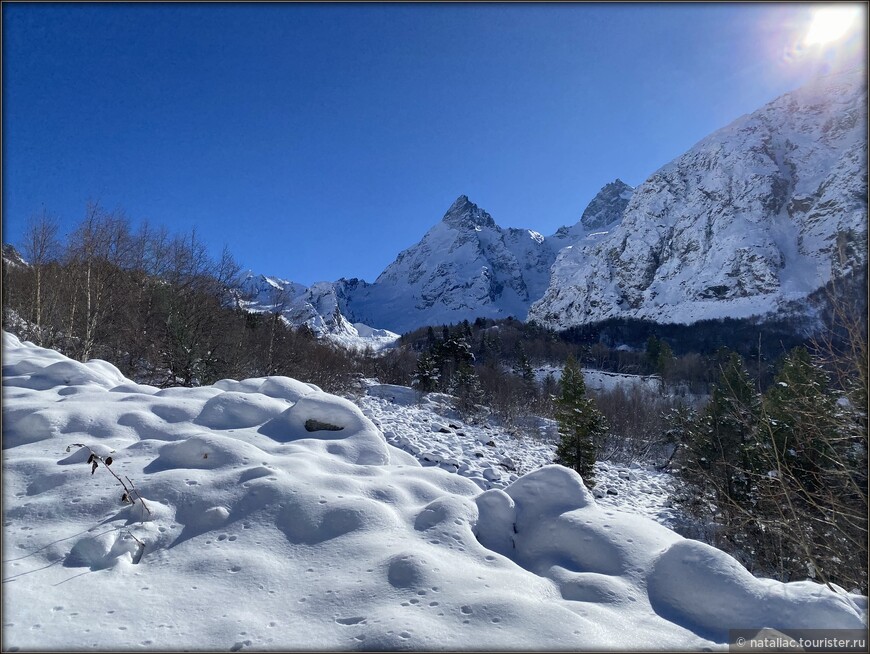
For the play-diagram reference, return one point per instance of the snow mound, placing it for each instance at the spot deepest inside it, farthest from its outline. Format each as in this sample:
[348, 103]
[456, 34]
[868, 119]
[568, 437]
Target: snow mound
[278, 517]
[551, 489]
[328, 417]
[21, 369]
[682, 576]
[231, 410]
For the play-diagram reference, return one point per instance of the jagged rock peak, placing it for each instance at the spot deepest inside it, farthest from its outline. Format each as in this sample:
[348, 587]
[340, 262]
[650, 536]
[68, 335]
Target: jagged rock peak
[607, 206]
[464, 214]
[11, 257]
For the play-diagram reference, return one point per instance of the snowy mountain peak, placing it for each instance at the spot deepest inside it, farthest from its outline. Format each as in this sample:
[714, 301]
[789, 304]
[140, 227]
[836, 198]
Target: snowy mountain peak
[464, 267]
[607, 206]
[11, 257]
[464, 214]
[604, 211]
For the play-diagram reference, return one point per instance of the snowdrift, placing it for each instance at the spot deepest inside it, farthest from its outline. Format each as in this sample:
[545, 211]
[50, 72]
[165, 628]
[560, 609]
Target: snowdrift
[280, 518]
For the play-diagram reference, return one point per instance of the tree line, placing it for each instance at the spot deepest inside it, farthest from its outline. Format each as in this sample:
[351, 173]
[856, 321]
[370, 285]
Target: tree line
[160, 307]
[778, 477]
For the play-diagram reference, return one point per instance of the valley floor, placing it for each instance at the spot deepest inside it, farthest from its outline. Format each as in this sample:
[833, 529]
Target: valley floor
[429, 428]
[274, 516]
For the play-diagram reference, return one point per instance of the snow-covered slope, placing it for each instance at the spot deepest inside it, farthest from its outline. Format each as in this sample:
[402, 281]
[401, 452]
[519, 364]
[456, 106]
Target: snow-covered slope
[758, 214]
[321, 307]
[278, 517]
[12, 258]
[429, 428]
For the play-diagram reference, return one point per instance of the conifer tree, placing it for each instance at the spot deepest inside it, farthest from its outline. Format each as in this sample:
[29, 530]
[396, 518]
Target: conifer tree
[653, 350]
[467, 388]
[581, 426]
[814, 495]
[431, 340]
[665, 361]
[523, 369]
[426, 375]
[721, 445]
[802, 419]
[549, 386]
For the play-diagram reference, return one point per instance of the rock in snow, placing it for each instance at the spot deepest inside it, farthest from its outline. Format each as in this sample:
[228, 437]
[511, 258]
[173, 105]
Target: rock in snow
[263, 534]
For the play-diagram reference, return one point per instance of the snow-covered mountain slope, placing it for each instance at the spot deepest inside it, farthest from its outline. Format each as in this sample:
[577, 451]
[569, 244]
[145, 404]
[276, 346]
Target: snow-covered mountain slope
[315, 306]
[465, 267]
[321, 307]
[12, 258]
[276, 516]
[756, 215]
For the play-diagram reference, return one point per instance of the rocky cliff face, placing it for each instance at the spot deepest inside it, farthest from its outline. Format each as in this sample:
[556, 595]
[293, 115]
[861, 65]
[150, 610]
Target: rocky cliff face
[601, 216]
[608, 207]
[316, 306]
[755, 216]
[12, 258]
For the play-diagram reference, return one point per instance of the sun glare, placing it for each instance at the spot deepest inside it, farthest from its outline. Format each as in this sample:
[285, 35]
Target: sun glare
[831, 23]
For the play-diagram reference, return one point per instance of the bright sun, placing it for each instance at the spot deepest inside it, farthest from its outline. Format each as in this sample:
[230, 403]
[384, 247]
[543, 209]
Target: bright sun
[831, 23]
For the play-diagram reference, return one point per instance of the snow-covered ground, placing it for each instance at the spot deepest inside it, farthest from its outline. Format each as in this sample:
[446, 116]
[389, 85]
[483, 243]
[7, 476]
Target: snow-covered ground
[604, 380]
[279, 517]
[358, 336]
[429, 428]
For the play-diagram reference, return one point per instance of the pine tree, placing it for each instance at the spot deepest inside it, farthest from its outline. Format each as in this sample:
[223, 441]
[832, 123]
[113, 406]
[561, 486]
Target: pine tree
[450, 356]
[523, 369]
[467, 388]
[549, 386]
[653, 350]
[802, 419]
[581, 426]
[665, 361]
[816, 495]
[720, 447]
[431, 340]
[426, 375]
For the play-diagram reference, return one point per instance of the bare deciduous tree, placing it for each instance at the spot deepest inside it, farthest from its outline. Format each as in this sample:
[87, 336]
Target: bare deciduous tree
[40, 248]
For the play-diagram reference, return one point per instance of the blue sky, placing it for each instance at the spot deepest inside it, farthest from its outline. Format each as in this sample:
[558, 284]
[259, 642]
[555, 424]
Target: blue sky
[317, 141]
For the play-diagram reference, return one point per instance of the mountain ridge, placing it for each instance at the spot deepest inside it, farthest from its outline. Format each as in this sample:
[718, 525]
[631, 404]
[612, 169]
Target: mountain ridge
[748, 222]
[465, 266]
[757, 214]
